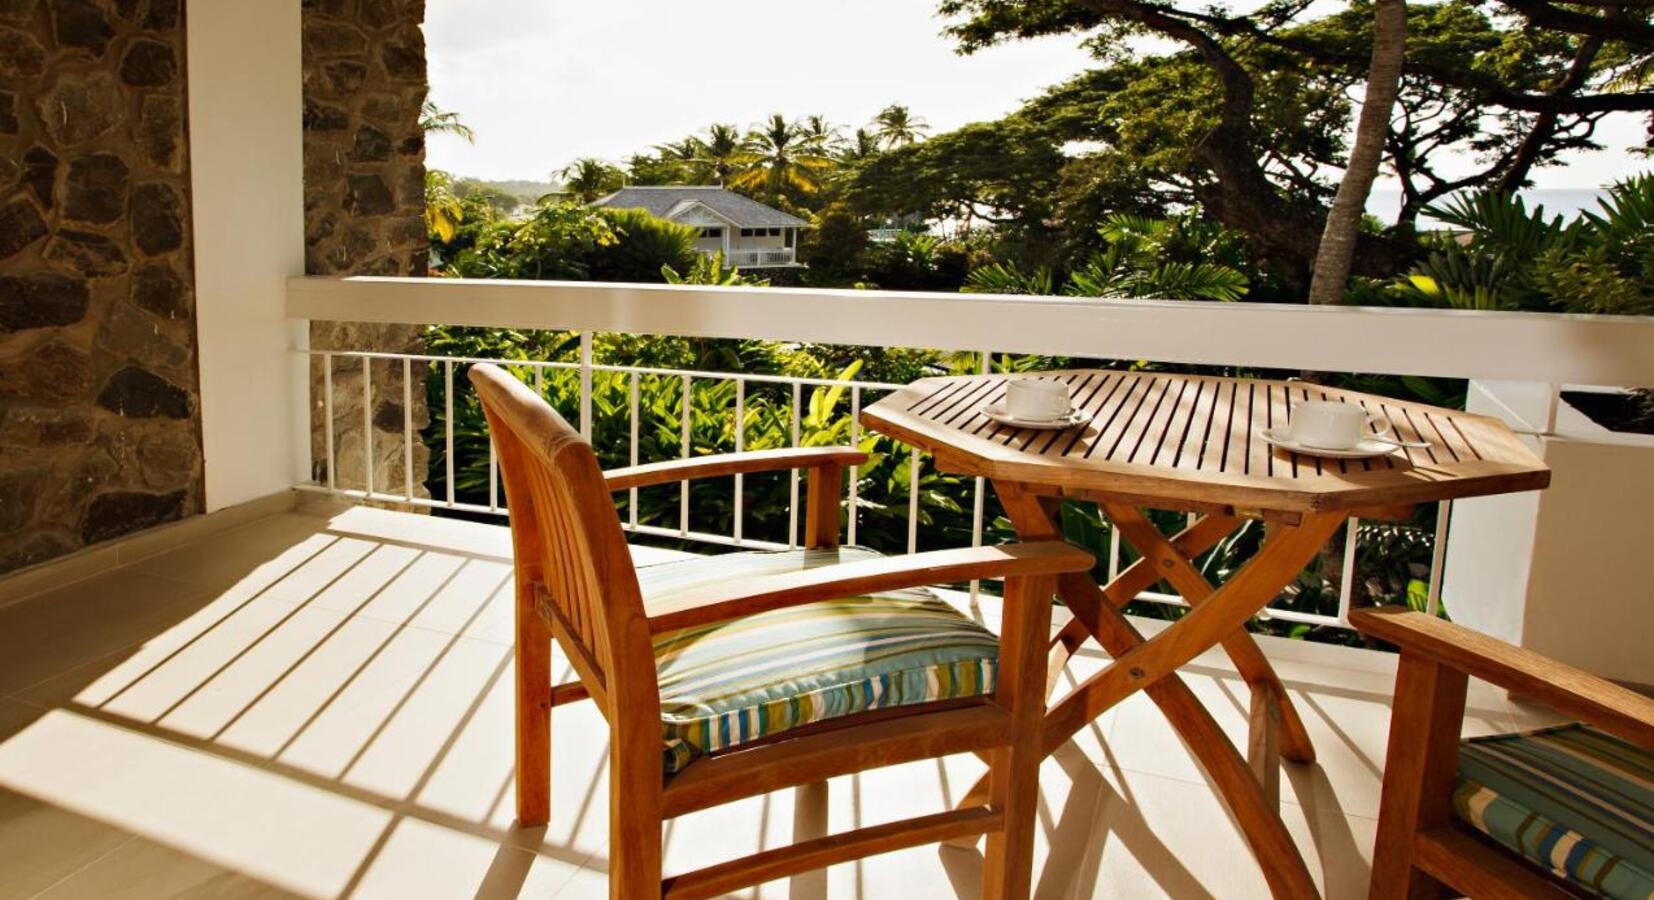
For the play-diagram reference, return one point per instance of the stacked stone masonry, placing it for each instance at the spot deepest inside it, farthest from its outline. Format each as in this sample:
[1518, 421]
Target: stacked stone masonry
[364, 180]
[99, 407]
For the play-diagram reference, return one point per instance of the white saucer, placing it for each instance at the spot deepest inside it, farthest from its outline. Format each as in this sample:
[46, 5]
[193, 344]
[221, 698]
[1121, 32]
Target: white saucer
[1367, 449]
[996, 412]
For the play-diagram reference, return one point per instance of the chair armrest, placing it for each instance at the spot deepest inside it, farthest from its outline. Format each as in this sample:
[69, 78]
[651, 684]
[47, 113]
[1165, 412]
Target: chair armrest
[1562, 687]
[748, 596]
[674, 470]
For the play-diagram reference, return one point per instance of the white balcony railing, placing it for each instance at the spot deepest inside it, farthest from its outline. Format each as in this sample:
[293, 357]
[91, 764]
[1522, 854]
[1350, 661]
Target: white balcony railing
[757, 259]
[1548, 349]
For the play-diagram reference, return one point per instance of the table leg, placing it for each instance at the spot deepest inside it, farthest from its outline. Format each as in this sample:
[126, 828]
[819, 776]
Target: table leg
[1150, 666]
[1177, 567]
[1138, 577]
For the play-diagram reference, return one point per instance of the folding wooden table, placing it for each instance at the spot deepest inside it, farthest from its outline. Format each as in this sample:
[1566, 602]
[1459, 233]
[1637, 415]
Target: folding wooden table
[1190, 443]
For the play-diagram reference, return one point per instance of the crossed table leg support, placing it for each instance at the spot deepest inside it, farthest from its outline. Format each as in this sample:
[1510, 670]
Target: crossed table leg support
[1217, 616]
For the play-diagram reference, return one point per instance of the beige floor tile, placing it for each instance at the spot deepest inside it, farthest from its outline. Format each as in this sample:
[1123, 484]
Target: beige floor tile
[424, 531]
[41, 842]
[420, 859]
[1160, 837]
[49, 634]
[142, 869]
[478, 603]
[411, 590]
[393, 721]
[290, 700]
[323, 706]
[209, 703]
[165, 664]
[275, 830]
[252, 554]
[1348, 723]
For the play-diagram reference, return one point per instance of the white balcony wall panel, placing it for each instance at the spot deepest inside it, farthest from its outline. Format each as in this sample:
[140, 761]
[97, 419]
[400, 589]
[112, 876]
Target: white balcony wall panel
[247, 169]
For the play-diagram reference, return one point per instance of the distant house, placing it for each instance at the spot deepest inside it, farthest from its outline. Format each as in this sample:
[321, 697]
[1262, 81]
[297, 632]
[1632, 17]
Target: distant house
[750, 234]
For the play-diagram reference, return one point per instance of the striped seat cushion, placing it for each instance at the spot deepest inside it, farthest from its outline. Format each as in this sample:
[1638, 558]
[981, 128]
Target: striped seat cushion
[1572, 799]
[728, 683]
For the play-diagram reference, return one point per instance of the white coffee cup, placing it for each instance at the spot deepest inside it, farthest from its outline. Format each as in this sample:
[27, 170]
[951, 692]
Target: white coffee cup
[1331, 425]
[1037, 399]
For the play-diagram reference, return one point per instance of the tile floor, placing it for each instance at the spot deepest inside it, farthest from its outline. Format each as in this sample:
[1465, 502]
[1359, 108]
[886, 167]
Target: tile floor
[318, 704]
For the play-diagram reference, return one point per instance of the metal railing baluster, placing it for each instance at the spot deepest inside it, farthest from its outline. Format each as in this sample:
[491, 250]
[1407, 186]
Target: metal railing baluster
[586, 384]
[792, 476]
[632, 401]
[740, 445]
[407, 427]
[448, 426]
[1346, 578]
[913, 501]
[327, 419]
[1438, 558]
[978, 495]
[683, 487]
[367, 424]
[855, 471]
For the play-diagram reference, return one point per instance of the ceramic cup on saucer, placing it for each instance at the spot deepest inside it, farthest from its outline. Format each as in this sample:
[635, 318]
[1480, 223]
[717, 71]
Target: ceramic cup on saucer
[1330, 425]
[1036, 399]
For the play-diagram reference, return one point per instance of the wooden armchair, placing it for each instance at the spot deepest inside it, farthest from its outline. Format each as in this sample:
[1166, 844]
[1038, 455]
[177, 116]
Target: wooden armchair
[633, 644]
[1440, 827]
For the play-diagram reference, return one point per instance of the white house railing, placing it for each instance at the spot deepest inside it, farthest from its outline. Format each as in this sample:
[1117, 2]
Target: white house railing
[1552, 350]
[781, 256]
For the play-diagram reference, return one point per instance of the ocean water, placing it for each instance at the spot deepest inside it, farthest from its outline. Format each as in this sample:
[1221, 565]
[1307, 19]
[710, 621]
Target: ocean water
[1568, 203]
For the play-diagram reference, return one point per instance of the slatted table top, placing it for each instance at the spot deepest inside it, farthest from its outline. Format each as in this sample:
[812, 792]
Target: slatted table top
[1192, 442]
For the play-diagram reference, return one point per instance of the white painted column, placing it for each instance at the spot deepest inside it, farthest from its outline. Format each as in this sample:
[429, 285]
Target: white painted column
[247, 174]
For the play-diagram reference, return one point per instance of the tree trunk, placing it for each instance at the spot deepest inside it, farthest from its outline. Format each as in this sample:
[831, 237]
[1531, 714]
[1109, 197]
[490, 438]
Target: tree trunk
[1332, 261]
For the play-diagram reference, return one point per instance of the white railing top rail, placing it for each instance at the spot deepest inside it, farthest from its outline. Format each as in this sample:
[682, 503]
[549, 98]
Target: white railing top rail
[1533, 347]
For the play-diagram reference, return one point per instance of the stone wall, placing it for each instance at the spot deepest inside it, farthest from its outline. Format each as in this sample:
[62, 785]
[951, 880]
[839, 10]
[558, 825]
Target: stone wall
[364, 197]
[99, 414]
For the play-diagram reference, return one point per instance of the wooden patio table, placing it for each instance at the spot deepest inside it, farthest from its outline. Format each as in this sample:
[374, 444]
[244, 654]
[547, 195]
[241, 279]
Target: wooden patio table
[1189, 443]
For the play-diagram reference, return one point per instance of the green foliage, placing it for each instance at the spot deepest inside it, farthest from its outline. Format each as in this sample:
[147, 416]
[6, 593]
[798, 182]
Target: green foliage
[643, 246]
[1511, 257]
[835, 247]
[1610, 266]
[569, 241]
[824, 419]
[781, 160]
[589, 178]
[711, 270]
[443, 211]
[557, 241]
[1140, 261]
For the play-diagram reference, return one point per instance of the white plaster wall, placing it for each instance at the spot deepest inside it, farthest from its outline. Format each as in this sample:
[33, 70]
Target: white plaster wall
[247, 167]
[1564, 571]
[1589, 601]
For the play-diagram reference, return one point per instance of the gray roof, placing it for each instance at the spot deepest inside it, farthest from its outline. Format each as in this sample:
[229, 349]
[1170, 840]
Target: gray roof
[665, 201]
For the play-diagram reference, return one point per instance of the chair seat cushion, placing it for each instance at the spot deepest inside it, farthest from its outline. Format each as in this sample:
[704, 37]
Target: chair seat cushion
[1572, 799]
[729, 683]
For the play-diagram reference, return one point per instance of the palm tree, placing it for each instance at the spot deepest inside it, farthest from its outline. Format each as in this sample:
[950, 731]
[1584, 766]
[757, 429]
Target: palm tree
[896, 126]
[821, 134]
[778, 156]
[434, 119]
[718, 153]
[862, 145]
[589, 178]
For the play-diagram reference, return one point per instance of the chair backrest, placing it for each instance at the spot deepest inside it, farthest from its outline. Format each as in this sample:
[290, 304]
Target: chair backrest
[566, 537]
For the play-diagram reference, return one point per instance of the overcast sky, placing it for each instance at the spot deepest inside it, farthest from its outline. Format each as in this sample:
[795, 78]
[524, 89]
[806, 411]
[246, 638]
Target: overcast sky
[546, 81]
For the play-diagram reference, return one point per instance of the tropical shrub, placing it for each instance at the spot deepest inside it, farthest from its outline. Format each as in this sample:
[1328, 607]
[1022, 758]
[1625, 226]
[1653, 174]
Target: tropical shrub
[1510, 257]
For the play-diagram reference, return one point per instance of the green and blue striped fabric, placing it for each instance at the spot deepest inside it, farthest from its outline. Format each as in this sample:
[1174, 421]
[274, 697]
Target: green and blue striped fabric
[729, 683]
[1572, 799]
